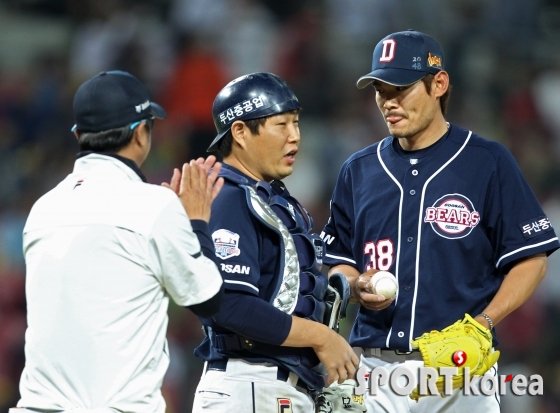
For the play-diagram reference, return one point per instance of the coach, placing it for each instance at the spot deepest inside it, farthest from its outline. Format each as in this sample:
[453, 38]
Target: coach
[104, 250]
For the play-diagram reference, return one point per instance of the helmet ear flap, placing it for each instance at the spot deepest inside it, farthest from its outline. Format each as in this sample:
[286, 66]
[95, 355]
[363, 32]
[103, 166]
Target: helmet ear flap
[251, 96]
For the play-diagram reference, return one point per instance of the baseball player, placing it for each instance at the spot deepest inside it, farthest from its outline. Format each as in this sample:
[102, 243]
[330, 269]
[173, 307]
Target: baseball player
[104, 250]
[263, 348]
[447, 212]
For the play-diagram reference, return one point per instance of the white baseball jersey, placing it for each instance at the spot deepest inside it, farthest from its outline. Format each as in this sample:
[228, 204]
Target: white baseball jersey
[104, 251]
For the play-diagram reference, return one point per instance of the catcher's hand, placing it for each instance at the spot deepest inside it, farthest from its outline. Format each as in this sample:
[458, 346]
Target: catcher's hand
[340, 398]
[439, 347]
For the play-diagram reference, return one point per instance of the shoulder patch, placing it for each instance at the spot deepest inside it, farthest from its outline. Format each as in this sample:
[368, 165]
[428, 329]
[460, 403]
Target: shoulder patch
[226, 243]
[535, 226]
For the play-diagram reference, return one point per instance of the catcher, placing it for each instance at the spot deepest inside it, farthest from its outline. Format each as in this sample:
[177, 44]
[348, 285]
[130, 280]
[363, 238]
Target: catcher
[450, 214]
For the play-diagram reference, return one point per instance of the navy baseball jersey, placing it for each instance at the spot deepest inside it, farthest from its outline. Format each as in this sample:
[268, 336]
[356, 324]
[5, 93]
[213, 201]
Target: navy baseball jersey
[255, 262]
[448, 220]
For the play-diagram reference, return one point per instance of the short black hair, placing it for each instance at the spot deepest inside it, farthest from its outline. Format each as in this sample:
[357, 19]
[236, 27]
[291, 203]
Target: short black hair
[225, 144]
[112, 140]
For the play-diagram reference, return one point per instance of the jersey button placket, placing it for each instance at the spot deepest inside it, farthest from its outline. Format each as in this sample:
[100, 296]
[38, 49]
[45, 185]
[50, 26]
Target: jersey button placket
[412, 191]
[411, 181]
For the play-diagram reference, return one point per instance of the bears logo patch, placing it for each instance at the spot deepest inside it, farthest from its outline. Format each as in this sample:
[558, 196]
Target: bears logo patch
[226, 243]
[452, 216]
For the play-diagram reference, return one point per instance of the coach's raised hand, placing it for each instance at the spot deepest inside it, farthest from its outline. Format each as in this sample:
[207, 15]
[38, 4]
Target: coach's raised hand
[197, 186]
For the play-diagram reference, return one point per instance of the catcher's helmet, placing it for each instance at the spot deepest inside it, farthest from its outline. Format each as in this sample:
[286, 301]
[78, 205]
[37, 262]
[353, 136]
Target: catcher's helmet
[251, 96]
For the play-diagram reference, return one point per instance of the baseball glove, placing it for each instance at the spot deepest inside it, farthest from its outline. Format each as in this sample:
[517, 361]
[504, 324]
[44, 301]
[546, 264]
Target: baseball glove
[340, 398]
[439, 347]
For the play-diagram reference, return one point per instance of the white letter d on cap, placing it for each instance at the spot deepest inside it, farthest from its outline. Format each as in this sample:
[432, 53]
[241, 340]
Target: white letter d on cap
[388, 50]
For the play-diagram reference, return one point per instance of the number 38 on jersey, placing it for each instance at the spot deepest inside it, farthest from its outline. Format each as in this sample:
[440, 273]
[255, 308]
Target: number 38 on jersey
[380, 254]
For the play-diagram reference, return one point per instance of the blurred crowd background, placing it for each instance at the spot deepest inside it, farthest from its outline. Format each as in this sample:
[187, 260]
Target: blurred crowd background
[503, 57]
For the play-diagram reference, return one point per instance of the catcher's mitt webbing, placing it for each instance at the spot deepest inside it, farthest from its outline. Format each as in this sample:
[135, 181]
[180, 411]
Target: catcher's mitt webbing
[439, 347]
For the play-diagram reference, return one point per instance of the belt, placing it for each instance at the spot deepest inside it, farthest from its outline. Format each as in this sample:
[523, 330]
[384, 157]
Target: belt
[392, 356]
[283, 373]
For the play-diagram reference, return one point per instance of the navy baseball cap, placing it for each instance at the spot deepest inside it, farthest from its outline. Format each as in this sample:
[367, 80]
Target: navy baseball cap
[402, 58]
[111, 100]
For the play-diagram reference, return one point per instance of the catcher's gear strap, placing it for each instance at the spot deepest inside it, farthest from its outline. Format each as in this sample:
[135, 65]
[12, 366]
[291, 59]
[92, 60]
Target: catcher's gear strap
[336, 298]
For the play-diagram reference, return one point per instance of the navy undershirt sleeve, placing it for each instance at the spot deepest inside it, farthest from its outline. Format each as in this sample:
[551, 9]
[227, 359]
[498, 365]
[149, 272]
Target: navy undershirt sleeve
[253, 318]
[211, 306]
[202, 232]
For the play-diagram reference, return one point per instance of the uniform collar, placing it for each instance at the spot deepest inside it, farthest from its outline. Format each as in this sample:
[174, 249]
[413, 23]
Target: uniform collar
[128, 162]
[420, 153]
[238, 172]
[277, 186]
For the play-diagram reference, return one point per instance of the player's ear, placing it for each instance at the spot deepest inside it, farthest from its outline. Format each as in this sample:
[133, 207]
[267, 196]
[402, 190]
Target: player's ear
[239, 133]
[440, 84]
[141, 135]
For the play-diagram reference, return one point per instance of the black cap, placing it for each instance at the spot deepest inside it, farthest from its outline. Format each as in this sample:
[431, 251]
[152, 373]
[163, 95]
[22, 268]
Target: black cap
[112, 99]
[402, 58]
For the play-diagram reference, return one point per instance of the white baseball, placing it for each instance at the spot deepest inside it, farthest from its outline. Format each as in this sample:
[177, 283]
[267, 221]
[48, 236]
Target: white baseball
[384, 283]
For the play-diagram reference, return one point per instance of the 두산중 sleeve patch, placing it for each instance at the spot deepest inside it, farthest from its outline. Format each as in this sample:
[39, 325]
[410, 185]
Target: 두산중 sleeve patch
[535, 226]
[226, 243]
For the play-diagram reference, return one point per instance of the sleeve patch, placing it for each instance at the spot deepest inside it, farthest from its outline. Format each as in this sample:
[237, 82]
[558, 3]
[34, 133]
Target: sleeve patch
[236, 269]
[226, 243]
[535, 226]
